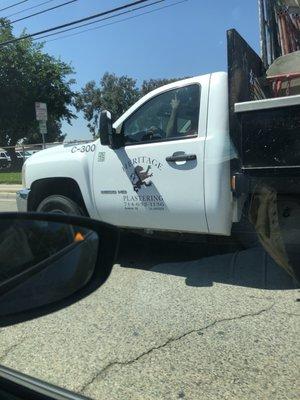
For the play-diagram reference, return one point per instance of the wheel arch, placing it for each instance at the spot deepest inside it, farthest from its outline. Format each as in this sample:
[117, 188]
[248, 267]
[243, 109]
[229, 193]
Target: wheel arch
[42, 188]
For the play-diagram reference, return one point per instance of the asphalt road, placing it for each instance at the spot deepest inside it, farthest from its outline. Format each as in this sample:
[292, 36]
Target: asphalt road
[7, 204]
[165, 326]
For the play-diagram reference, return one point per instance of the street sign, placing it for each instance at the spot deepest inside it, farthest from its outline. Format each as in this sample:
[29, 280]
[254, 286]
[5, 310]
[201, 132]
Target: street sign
[41, 111]
[43, 131]
[43, 127]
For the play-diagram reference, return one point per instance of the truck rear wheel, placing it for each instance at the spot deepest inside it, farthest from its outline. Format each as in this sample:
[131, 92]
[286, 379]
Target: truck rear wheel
[244, 231]
[276, 219]
[59, 204]
[288, 208]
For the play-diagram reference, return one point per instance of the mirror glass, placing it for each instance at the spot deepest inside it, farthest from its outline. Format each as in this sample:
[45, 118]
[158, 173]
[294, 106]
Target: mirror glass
[42, 262]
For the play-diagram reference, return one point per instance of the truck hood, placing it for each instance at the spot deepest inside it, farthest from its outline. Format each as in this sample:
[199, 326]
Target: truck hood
[66, 160]
[47, 152]
[72, 163]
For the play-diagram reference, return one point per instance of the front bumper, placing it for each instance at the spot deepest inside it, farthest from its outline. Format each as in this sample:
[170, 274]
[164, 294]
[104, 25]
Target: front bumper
[22, 199]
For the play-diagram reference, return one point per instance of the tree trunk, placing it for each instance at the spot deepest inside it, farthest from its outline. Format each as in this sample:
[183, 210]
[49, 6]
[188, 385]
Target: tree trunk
[16, 163]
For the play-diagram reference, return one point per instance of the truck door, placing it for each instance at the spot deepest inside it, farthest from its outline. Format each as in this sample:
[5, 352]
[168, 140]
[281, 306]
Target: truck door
[156, 180]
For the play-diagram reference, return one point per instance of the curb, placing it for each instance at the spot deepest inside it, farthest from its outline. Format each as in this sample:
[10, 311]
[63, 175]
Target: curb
[7, 195]
[7, 189]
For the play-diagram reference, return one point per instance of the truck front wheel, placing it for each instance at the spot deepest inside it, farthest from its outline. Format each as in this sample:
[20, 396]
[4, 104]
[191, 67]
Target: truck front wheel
[60, 205]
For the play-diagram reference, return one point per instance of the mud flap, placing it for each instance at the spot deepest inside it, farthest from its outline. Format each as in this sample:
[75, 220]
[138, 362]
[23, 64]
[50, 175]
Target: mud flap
[263, 214]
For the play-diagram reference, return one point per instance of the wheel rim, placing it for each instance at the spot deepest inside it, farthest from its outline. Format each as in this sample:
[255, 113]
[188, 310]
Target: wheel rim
[50, 210]
[57, 211]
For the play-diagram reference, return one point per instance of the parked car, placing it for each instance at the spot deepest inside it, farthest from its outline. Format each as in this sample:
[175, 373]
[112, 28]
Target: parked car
[23, 154]
[5, 159]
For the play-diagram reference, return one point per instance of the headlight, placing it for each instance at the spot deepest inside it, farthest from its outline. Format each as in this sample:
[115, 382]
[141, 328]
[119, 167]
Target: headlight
[23, 175]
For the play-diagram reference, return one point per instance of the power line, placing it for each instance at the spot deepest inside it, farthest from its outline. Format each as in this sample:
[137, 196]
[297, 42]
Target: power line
[30, 8]
[13, 5]
[115, 22]
[73, 22]
[44, 11]
[101, 19]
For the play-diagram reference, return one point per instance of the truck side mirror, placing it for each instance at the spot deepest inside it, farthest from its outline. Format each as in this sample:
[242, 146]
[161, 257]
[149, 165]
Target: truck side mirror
[105, 127]
[107, 134]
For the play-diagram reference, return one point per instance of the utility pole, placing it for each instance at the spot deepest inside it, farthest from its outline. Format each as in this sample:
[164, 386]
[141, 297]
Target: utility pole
[263, 32]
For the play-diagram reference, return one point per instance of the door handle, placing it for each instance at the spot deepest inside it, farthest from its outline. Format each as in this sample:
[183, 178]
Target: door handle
[181, 157]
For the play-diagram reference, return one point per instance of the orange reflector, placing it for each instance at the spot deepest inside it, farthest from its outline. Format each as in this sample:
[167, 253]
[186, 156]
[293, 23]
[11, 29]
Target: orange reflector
[233, 183]
[78, 237]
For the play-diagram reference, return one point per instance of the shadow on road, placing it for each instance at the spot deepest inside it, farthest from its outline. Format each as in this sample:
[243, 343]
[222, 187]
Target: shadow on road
[203, 264]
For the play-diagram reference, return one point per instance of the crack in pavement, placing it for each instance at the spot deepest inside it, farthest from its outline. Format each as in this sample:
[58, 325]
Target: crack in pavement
[169, 341]
[14, 346]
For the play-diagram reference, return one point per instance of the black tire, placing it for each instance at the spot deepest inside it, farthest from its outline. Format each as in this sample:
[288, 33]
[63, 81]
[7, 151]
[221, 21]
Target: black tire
[243, 231]
[288, 208]
[59, 204]
[277, 220]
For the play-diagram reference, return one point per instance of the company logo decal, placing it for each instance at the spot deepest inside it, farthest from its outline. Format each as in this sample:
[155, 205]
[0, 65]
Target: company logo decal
[139, 171]
[139, 177]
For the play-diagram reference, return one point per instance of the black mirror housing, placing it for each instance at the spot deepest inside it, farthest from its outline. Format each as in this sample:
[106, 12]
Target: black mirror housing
[107, 134]
[116, 140]
[105, 127]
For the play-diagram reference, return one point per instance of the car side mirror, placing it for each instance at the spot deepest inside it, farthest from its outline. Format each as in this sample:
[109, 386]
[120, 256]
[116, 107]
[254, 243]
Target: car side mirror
[49, 261]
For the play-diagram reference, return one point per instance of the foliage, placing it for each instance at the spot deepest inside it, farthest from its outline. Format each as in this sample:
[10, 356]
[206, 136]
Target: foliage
[10, 177]
[152, 84]
[115, 94]
[28, 75]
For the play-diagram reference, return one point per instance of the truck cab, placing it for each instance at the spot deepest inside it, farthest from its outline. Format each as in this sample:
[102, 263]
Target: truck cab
[172, 170]
[170, 173]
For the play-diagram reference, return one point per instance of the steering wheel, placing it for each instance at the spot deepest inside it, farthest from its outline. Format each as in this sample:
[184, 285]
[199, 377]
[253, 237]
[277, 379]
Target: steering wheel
[153, 133]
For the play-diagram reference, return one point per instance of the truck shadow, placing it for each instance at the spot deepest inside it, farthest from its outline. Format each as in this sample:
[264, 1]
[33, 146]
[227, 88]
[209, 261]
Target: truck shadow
[205, 264]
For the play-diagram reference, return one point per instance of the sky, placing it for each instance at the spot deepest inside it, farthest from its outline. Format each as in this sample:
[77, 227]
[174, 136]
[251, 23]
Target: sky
[186, 39]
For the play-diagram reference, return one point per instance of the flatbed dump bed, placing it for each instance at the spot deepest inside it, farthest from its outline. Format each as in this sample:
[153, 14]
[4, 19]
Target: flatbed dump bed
[270, 133]
[266, 104]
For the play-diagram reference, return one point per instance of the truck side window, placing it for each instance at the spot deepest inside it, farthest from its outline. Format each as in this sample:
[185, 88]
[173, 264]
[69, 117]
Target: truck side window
[173, 114]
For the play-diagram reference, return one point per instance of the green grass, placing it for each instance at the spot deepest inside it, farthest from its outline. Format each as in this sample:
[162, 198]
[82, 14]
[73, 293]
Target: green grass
[10, 177]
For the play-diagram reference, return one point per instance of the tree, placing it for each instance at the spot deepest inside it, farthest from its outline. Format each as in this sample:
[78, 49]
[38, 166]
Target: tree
[28, 75]
[115, 94]
[54, 133]
[151, 84]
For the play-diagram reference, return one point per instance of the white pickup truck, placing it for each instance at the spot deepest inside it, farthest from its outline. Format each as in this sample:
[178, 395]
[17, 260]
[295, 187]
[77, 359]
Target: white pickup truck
[156, 182]
[185, 158]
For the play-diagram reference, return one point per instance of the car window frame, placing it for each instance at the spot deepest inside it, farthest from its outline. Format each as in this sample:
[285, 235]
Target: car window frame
[170, 138]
